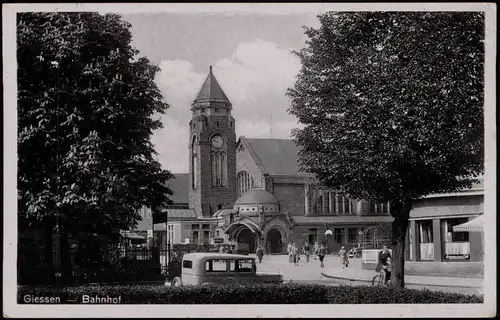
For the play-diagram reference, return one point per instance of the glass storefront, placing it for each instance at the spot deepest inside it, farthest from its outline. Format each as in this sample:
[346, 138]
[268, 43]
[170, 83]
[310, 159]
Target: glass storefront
[426, 244]
[456, 244]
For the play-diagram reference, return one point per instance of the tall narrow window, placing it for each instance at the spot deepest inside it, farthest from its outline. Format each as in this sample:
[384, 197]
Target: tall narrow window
[347, 204]
[224, 169]
[372, 207]
[319, 205]
[334, 202]
[194, 164]
[214, 169]
[245, 182]
[326, 203]
[218, 162]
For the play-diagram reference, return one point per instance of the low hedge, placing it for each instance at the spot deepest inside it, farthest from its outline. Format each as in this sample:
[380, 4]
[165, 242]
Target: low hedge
[253, 294]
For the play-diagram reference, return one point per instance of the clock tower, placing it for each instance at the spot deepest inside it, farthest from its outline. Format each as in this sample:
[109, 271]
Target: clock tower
[212, 150]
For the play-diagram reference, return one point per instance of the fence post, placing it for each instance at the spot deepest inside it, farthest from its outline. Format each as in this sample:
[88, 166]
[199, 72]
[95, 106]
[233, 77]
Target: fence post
[168, 253]
[155, 253]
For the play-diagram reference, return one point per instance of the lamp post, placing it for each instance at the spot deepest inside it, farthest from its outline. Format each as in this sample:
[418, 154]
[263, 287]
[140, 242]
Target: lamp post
[167, 242]
[152, 229]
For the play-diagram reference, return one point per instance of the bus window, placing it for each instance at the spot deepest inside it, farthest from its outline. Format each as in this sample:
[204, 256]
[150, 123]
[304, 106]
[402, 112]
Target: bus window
[241, 266]
[215, 265]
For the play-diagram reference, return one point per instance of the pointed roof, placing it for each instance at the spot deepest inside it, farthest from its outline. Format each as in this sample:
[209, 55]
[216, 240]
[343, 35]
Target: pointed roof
[211, 90]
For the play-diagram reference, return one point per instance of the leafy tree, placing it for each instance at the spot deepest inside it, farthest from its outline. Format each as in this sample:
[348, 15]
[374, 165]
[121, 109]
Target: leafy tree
[392, 107]
[87, 107]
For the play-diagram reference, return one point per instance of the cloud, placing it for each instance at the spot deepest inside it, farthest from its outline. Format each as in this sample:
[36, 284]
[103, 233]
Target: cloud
[255, 78]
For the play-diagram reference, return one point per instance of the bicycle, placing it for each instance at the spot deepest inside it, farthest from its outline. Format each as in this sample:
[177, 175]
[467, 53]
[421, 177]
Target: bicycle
[377, 281]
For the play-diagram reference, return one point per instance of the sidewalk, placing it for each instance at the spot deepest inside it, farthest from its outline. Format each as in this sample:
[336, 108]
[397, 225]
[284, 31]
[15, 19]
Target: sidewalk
[361, 275]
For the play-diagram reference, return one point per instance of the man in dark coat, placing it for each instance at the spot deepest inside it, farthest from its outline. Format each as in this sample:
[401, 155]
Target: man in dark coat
[382, 258]
[260, 253]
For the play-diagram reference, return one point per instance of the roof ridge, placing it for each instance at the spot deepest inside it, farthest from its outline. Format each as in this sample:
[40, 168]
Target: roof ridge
[254, 155]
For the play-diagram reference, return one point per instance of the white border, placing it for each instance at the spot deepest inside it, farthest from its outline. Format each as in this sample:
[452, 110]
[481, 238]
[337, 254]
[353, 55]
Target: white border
[11, 309]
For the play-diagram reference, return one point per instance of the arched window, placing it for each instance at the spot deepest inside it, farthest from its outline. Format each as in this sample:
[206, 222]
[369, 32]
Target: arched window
[219, 169]
[214, 168]
[245, 182]
[319, 205]
[194, 164]
[223, 169]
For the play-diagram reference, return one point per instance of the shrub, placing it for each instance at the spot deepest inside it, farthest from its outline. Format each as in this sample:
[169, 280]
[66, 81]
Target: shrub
[252, 294]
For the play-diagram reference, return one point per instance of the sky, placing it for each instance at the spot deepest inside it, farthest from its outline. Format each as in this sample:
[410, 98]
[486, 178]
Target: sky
[252, 60]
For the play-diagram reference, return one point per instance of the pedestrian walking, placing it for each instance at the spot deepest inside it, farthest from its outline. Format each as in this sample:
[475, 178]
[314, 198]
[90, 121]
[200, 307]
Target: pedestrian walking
[321, 255]
[316, 248]
[295, 252]
[260, 253]
[290, 254]
[306, 251]
[344, 258]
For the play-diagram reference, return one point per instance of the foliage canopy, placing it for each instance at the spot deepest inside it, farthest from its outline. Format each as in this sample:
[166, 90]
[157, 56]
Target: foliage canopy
[87, 107]
[392, 103]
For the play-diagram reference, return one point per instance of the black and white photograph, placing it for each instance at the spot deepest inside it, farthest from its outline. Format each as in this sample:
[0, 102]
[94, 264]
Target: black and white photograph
[255, 160]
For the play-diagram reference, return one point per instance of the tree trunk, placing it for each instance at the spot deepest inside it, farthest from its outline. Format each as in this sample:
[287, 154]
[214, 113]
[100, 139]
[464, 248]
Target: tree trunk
[65, 257]
[401, 214]
[48, 251]
[399, 227]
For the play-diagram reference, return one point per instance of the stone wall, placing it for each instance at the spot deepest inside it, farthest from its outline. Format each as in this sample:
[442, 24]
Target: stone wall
[291, 197]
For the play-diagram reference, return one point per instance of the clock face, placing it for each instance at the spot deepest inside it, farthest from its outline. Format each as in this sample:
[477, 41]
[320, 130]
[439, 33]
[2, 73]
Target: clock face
[217, 142]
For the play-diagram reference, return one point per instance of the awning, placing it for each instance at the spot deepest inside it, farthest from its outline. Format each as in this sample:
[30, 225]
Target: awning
[474, 225]
[132, 235]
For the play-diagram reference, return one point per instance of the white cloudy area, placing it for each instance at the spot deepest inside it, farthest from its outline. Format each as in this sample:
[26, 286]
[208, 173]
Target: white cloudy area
[255, 77]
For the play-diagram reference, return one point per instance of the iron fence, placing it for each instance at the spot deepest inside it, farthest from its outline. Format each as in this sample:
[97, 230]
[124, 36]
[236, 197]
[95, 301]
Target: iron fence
[99, 263]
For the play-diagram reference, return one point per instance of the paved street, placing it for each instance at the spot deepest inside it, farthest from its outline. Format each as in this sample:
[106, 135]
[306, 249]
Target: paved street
[312, 272]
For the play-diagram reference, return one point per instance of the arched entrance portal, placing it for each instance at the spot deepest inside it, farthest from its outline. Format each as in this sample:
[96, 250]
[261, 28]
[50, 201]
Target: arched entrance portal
[274, 242]
[246, 236]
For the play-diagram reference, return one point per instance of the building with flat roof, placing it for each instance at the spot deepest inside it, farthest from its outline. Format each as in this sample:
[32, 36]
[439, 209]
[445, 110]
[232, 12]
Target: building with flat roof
[435, 234]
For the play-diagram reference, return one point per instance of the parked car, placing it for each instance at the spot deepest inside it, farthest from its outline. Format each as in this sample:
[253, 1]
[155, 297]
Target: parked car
[203, 267]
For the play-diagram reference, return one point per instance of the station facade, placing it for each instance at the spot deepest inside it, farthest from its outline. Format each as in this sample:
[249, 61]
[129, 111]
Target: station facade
[251, 191]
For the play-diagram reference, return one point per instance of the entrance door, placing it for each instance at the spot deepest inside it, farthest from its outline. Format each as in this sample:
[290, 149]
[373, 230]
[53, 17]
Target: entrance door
[274, 243]
[246, 236]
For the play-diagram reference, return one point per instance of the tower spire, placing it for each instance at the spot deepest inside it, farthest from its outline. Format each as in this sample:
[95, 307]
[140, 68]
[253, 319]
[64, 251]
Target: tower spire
[211, 90]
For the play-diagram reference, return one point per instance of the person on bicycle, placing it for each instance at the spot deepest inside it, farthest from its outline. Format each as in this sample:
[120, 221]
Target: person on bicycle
[343, 257]
[387, 270]
[382, 261]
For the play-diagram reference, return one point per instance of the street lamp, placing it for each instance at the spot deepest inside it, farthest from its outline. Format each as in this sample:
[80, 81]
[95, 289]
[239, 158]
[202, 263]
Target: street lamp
[167, 238]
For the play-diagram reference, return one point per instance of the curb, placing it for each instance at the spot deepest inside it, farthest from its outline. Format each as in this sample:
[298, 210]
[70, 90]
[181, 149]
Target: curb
[409, 283]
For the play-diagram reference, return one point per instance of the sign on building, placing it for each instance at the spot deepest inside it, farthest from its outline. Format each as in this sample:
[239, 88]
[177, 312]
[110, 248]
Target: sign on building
[458, 256]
